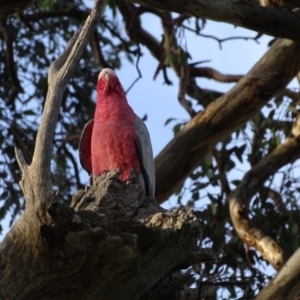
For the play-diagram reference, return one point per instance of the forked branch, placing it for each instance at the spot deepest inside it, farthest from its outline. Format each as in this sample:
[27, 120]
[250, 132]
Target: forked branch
[38, 190]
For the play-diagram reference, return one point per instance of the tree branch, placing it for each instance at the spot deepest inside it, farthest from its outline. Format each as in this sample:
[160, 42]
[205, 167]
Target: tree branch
[59, 74]
[270, 75]
[184, 79]
[214, 74]
[239, 13]
[239, 199]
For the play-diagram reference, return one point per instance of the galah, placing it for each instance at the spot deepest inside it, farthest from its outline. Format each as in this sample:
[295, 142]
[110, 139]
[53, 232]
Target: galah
[117, 137]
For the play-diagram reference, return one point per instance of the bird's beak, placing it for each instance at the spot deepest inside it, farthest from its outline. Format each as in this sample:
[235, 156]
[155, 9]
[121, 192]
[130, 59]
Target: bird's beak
[107, 74]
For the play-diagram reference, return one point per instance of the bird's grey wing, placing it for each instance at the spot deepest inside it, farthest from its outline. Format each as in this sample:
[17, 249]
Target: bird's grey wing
[144, 147]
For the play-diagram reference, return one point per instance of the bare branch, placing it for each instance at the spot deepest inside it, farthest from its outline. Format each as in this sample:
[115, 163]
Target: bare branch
[219, 40]
[139, 54]
[214, 74]
[239, 199]
[59, 75]
[203, 96]
[184, 80]
[240, 13]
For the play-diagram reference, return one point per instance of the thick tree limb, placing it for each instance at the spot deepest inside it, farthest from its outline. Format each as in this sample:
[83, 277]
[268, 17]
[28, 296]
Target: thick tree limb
[239, 199]
[268, 20]
[270, 75]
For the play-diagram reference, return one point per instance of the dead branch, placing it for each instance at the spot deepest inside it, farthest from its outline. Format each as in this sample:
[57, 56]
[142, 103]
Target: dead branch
[239, 199]
[38, 179]
[270, 75]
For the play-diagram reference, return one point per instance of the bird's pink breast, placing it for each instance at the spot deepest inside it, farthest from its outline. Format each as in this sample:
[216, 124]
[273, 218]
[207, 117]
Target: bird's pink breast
[113, 140]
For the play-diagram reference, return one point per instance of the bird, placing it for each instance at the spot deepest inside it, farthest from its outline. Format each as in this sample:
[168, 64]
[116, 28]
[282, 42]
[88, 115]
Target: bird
[117, 138]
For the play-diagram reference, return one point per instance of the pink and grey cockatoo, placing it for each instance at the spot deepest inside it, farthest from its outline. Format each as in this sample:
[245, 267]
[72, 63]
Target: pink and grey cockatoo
[117, 137]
